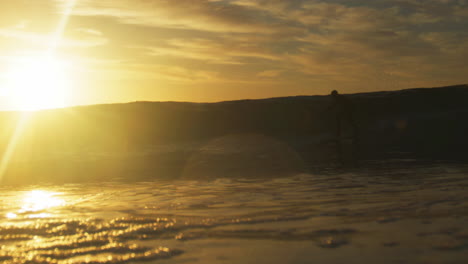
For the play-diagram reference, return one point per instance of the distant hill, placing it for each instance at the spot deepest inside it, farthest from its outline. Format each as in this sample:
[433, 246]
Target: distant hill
[160, 139]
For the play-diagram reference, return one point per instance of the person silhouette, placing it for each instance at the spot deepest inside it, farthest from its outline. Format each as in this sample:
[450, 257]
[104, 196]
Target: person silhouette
[343, 109]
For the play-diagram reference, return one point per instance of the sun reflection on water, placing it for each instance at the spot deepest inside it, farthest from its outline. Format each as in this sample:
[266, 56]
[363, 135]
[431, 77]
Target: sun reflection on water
[11, 215]
[36, 201]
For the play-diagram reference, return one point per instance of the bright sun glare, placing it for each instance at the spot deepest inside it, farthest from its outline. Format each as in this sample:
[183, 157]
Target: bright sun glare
[37, 82]
[36, 201]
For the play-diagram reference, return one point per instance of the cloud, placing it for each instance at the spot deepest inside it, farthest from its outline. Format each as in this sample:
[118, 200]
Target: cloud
[89, 31]
[46, 40]
[325, 41]
[270, 73]
[125, 71]
[218, 51]
[215, 16]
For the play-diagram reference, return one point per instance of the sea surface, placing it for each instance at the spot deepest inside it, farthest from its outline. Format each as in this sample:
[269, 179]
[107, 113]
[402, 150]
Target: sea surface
[387, 213]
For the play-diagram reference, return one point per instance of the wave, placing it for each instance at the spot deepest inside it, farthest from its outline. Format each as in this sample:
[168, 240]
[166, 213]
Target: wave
[248, 138]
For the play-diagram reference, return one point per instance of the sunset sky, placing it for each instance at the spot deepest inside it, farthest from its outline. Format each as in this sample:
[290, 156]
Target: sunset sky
[211, 50]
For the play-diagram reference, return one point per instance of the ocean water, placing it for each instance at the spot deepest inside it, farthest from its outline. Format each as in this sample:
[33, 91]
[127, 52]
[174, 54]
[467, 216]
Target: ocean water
[387, 214]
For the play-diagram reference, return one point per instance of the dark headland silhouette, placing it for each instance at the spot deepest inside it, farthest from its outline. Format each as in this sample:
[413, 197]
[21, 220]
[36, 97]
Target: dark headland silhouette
[246, 138]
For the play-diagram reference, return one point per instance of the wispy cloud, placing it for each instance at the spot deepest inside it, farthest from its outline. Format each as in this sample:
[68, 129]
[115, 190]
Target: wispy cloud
[84, 39]
[216, 16]
[299, 44]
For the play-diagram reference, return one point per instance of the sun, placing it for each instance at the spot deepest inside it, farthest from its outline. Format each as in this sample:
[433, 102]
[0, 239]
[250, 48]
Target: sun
[37, 82]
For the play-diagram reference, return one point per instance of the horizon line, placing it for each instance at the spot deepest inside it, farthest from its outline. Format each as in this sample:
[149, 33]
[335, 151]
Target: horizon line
[216, 102]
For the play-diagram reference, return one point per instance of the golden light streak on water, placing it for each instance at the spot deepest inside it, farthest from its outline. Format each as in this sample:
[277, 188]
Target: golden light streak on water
[38, 200]
[11, 215]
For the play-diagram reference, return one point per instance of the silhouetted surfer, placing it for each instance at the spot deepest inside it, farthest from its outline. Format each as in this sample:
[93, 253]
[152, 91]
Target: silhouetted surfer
[343, 109]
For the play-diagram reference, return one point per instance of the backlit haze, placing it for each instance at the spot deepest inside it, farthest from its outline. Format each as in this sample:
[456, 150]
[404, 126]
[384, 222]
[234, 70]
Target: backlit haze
[56, 53]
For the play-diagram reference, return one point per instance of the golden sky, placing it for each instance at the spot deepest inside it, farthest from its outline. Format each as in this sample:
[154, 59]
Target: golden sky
[213, 50]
